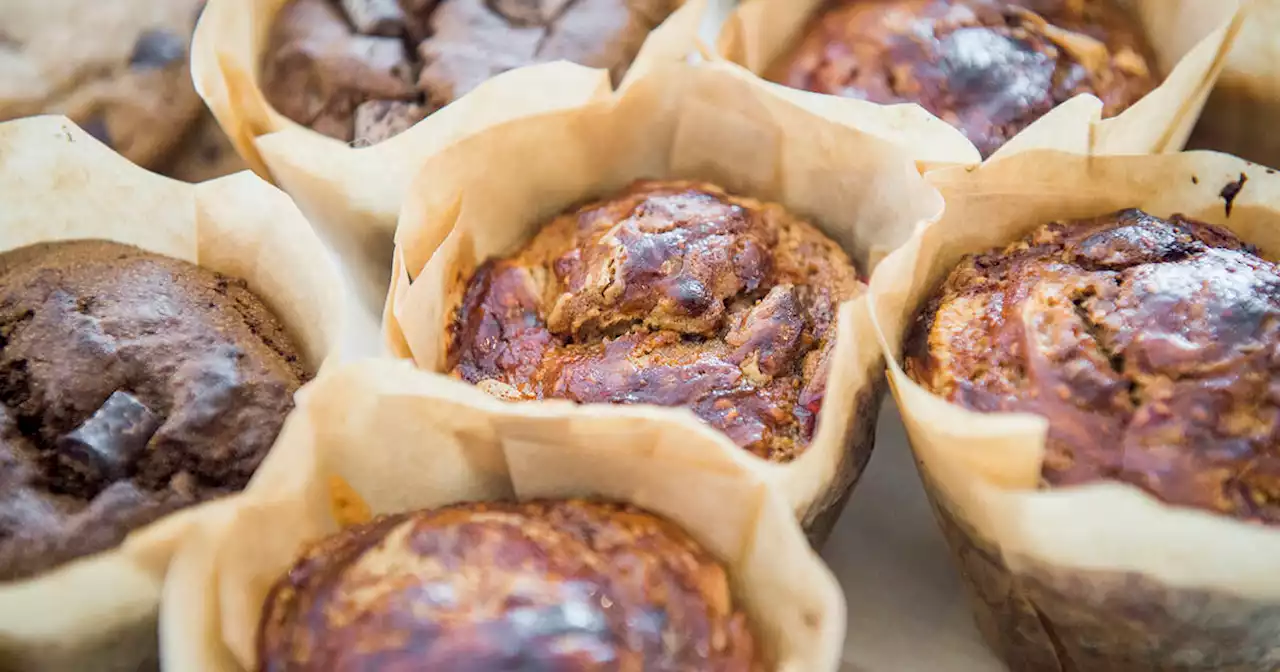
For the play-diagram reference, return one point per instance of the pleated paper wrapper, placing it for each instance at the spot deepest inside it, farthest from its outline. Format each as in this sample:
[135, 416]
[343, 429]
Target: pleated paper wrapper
[1191, 39]
[353, 195]
[58, 183]
[1240, 115]
[1103, 577]
[487, 195]
[379, 437]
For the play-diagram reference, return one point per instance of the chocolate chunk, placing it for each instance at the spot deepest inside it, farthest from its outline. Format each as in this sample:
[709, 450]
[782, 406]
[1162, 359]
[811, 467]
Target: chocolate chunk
[104, 448]
[376, 17]
[156, 49]
[97, 127]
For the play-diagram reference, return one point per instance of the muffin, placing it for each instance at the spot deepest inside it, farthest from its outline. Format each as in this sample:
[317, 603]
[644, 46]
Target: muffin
[988, 67]
[1148, 344]
[671, 293]
[365, 70]
[131, 385]
[545, 585]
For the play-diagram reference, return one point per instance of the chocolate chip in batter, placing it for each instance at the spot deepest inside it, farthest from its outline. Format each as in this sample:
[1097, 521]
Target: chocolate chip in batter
[104, 447]
[157, 49]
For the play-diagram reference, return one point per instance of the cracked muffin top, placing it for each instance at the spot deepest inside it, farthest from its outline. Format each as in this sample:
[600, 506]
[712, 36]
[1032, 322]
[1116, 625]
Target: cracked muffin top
[669, 293]
[131, 385]
[487, 587]
[1152, 347]
[988, 67]
[365, 70]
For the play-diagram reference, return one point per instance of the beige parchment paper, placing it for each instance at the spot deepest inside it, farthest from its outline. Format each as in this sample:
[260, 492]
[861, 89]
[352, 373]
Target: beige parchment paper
[351, 194]
[399, 439]
[1102, 577]
[1240, 115]
[486, 195]
[58, 183]
[1191, 39]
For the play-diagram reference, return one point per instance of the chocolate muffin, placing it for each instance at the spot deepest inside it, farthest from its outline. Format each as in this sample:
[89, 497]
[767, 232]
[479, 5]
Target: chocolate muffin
[365, 70]
[1151, 346]
[542, 585]
[988, 67]
[669, 293]
[131, 385]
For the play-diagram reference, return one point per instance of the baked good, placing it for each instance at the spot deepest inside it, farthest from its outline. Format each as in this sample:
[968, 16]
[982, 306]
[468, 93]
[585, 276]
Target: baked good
[1150, 346]
[671, 293]
[365, 70]
[118, 69]
[541, 585]
[131, 385]
[988, 67]
[205, 153]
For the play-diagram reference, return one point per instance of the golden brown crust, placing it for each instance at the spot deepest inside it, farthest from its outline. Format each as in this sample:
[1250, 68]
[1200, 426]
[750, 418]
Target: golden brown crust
[1152, 346]
[543, 585]
[989, 67]
[671, 293]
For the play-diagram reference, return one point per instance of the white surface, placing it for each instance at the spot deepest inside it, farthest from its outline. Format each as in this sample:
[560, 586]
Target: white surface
[907, 607]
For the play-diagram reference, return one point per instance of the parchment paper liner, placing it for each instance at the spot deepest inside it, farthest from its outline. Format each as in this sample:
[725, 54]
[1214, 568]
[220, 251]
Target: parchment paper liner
[1191, 39]
[1102, 577]
[58, 183]
[1240, 115]
[353, 195]
[398, 439]
[486, 195]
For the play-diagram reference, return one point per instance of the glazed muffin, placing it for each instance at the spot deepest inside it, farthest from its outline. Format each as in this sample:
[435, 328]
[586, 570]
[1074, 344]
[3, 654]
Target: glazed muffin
[131, 385]
[988, 67]
[540, 585]
[669, 293]
[1150, 346]
[365, 70]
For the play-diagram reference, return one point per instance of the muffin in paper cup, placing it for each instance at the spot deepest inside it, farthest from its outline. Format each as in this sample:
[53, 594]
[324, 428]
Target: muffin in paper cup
[379, 437]
[353, 194]
[1101, 575]
[99, 611]
[1237, 118]
[1189, 40]
[488, 195]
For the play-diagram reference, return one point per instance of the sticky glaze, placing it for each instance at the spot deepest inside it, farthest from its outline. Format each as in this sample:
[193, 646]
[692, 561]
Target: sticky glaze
[1152, 346]
[989, 67]
[671, 293]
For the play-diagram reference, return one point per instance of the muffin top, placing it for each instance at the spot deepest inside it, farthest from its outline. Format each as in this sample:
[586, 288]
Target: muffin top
[988, 67]
[365, 70]
[542, 585]
[1152, 347]
[669, 293]
[131, 385]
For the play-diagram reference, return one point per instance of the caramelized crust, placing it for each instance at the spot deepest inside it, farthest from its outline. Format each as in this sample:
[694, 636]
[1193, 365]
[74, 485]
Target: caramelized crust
[570, 585]
[1152, 347]
[671, 293]
[988, 67]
